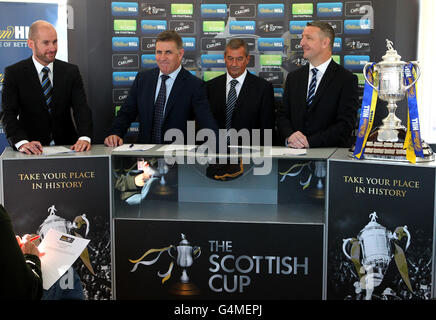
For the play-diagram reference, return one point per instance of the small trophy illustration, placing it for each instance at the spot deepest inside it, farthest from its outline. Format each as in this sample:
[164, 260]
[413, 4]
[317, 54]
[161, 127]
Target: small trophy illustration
[378, 247]
[184, 254]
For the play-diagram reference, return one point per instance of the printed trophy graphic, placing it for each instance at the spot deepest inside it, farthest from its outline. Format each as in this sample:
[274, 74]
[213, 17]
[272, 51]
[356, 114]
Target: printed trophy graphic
[64, 226]
[185, 258]
[390, 79]
[378, 247]
[184, 254]
[317, 171]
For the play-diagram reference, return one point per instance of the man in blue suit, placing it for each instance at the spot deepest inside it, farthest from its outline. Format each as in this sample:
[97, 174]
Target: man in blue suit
[163, 98]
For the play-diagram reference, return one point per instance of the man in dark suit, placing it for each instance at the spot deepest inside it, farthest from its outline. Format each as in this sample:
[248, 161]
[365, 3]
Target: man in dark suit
[254, 106]
[38, 96]
[320, 99]
[164, 98]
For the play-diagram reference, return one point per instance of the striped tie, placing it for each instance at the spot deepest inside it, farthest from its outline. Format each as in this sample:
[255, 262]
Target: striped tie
[156, 133]
[230, 106]
[312, 87]
[231, 101]
[47, 88]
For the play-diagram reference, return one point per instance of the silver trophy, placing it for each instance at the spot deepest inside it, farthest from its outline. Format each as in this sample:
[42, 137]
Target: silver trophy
[186, 254]
[386, 142]
[375, 244]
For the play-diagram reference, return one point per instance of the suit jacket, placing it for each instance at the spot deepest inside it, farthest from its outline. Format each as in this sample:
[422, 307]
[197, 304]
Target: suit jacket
[187, 101]
[331, 118]
[22, 96]
[254, 107]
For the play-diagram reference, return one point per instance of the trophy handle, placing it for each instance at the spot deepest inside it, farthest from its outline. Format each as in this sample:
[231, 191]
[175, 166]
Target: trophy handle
[344, 247]
[418, 74]
[408, 237]
[367, 65]
[196, 249]
[169, 252]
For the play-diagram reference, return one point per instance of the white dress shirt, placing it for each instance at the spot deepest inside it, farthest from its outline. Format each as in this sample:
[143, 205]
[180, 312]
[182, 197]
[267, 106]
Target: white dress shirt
[39, 68]
[168, 84]
[238, 86]
[321, 70]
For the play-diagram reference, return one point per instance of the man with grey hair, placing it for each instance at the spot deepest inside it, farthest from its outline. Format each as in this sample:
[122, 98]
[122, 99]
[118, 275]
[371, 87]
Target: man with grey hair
[39, 94]
[320, 99]
[238, 98]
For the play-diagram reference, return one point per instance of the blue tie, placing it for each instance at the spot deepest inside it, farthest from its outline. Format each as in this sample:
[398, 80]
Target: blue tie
[156, 134]
[231, 101]
[47, 88]
[312, 87]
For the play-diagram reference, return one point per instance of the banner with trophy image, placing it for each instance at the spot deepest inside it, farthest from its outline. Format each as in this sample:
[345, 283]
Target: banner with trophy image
[380, 240]
[174, 259]
[70, 195]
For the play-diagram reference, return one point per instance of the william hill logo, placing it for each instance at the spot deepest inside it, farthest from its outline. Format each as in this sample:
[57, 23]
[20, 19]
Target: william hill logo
[12, 33]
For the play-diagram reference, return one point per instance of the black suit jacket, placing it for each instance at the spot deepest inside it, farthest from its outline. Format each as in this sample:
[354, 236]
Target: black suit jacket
[331, 118]
[22, 96]
[187, 101]
[254, 107]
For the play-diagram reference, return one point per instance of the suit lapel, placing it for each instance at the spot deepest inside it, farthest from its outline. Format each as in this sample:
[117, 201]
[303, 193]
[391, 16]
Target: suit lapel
[34, 82]
[326, 79]
[58, 82]
[221, 97]
[177, 87]
[149, 97]
[243, 94]
[302, 90]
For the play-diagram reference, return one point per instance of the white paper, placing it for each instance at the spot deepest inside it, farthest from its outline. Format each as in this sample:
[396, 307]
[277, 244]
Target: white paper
[60, 250]
[176, 147]
[134, 147]
[246, 147]
[55, 150]
[284, 151]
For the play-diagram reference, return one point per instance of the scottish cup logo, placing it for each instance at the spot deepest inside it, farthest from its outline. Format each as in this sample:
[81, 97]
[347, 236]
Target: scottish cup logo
[184, 254]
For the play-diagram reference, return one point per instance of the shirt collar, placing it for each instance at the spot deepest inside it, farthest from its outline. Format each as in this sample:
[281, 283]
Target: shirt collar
[172, 75]
[322, 67]
[39, 66]
[240, 79]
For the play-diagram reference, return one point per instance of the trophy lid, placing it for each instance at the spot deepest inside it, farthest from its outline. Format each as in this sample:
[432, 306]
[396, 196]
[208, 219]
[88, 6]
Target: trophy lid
[373, 224]
[184, 241]
[391, 54]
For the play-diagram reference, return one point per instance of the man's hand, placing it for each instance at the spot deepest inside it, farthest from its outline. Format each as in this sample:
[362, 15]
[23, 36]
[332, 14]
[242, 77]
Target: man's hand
[113, 141]
[141, 178]
[33, 147]
[27, 246]
[81, 145]
[298, 140]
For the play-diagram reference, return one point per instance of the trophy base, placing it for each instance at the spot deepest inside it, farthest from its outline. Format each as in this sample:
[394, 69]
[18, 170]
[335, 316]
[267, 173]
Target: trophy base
[391, 151]
[317, 194]
[184, 289]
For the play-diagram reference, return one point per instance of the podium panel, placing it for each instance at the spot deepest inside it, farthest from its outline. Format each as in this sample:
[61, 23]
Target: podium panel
[217, 260]
[183, 234]
[69, 191]
[380, 229]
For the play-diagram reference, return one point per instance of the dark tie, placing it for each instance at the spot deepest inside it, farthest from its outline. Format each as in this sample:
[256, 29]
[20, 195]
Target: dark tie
[47, 88]
[231, 101]
[156, 134]
[312, 87]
